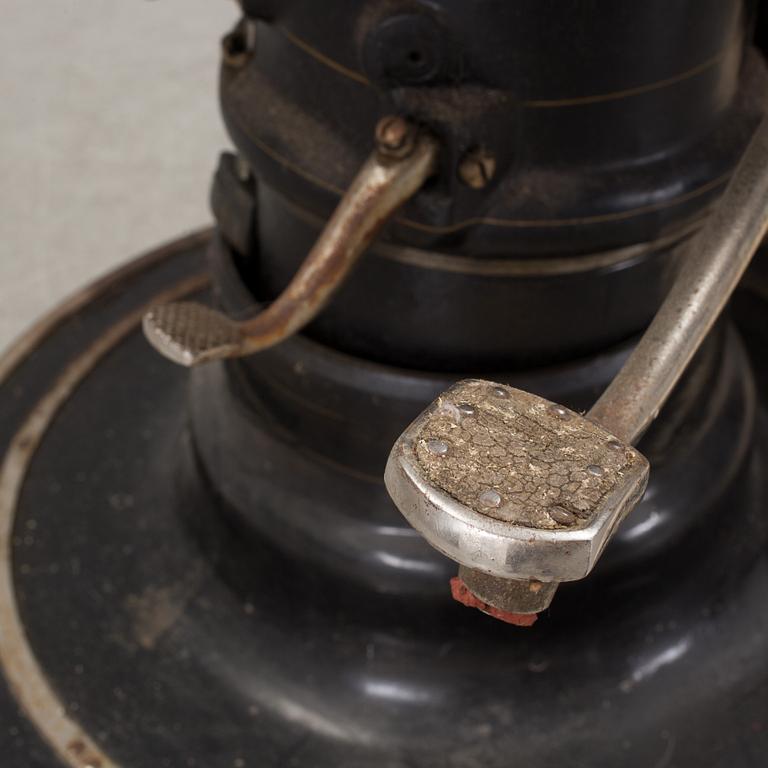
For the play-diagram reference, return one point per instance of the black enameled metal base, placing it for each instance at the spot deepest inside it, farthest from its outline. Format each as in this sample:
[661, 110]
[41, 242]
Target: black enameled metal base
[137, 629]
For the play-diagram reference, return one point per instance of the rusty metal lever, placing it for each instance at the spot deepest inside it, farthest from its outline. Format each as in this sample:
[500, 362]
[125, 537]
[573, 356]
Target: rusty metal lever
[189, 333]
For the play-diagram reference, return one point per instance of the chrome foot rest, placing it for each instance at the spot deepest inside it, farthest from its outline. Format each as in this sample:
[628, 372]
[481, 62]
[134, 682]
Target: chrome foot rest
[513, 485]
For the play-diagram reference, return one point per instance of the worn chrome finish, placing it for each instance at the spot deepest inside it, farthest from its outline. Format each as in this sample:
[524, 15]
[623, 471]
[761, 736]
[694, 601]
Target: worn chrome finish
[191, 333]
[711, 265]
[518, 450]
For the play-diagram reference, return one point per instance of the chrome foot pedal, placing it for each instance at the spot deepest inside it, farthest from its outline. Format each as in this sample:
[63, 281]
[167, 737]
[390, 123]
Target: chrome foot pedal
[513, 485]
[523, 492]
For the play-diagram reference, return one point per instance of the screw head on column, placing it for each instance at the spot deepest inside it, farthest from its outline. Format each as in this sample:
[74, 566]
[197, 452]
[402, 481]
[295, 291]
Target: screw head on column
[477, 168]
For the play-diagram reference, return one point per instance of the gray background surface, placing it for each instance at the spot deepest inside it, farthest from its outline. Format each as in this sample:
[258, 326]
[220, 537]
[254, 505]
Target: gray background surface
[109, 133]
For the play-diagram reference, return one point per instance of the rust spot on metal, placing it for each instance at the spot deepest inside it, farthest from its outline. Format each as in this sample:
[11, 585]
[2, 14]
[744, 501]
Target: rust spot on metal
[25, 444]
[85, 757]
[77, 747]
[461, 593]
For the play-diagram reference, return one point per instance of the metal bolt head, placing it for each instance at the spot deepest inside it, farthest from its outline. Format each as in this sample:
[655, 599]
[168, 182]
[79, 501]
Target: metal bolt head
[477, 168]
[395, 136]
[490, 498]
[561, 516]
[234, 48]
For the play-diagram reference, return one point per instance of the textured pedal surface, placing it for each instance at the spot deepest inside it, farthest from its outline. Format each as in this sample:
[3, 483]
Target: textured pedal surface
[513, 485]
[518, 458]
[189, 333]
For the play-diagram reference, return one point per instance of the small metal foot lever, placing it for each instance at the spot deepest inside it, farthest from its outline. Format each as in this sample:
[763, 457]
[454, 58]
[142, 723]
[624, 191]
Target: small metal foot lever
[190, 333]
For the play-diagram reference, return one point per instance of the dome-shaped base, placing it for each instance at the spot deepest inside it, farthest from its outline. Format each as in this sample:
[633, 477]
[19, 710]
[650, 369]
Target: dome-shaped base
[130, 634]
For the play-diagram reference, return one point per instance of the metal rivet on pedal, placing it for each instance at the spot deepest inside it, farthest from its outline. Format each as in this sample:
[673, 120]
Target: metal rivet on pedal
[450, 411]
[438, 447]
[490, 498]
[593, 469]
[560, 412]
[500, 392]
[615, 445]
[466, 409]
[561, 516]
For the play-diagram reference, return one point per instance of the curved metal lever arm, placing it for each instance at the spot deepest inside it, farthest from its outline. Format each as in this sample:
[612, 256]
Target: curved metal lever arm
[712, 264]
[190, 333]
